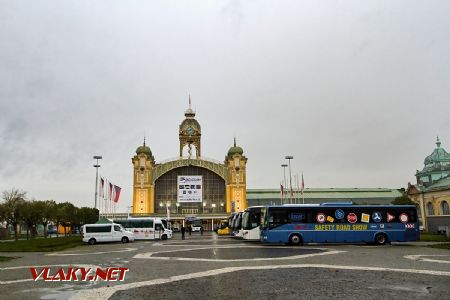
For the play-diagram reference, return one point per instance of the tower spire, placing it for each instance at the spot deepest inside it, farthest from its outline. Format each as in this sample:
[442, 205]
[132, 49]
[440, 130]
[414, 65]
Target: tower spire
[438, 142]
[189, 101]
[235, 141]
[144, 140]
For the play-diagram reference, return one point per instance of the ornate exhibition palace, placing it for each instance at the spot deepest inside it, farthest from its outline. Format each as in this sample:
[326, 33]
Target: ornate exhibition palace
[190, 185]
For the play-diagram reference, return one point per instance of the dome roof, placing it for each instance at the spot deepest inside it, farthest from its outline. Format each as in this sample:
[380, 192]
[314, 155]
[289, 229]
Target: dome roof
[439, 155]
[144, 149]
[235, 150]
[190, 122]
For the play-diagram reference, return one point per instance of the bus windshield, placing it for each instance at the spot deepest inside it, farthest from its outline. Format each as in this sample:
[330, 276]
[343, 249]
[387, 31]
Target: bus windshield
[166, 224]
[251, 219]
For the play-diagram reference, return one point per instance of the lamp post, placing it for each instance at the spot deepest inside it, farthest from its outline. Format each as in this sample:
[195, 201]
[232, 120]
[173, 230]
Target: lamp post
[96, 166]
[284, 171]
[289, 157]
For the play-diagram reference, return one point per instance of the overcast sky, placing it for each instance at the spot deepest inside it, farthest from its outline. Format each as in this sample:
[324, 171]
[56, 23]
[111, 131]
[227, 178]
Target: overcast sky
[356, 90]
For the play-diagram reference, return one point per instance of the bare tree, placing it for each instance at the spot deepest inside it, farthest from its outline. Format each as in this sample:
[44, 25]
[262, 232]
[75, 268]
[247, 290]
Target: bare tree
[14, 201]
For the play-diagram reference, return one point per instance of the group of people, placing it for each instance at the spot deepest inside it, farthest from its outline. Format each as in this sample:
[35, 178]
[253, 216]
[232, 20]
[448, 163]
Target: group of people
[189, 230]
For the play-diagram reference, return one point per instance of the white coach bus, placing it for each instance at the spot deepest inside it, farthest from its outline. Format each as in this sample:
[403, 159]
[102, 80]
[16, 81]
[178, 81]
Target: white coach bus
[251, 221]
[147, 228]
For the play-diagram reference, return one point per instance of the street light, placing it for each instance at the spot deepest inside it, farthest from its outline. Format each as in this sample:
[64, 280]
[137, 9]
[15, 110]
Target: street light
[96, 166]
[284, 171]
[289, 157]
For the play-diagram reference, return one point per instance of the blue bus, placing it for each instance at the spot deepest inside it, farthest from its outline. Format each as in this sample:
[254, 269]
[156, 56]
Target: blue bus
[339, 223]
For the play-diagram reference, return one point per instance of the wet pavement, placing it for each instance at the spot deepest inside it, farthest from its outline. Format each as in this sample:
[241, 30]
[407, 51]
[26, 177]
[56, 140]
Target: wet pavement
[216, 267]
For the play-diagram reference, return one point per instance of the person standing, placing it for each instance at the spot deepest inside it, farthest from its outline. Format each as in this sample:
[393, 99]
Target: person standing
[190, 229]
[201, 230]
[183, 231]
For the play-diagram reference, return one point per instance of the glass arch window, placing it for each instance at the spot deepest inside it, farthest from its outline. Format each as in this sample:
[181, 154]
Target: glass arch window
[444, 208]
[213, 192]
[430, 209]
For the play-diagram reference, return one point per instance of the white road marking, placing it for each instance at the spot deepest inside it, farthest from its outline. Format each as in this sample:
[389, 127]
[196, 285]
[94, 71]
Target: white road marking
[90, 253]
[106, 292]
[420, 258]
[30, 279]
[149, 255]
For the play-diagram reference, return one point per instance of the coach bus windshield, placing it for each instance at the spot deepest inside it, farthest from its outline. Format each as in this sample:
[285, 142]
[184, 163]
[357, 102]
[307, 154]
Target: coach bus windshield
[251, 219]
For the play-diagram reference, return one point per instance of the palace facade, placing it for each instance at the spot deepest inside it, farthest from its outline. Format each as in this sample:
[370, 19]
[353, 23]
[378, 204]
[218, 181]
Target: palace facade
[190, 185]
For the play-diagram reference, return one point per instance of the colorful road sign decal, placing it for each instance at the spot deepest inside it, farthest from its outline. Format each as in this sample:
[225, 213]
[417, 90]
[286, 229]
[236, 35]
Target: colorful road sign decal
[339, 214]
[365, 218]
[376, 217]
[320, 218]
[404, 218]
[409, 226]
[352, 218]
[390, 217]
[330, 219]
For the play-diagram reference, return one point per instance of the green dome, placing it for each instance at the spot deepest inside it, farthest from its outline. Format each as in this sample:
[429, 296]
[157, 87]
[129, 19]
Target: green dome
[439, 155]
[235, 150]
[144, 149]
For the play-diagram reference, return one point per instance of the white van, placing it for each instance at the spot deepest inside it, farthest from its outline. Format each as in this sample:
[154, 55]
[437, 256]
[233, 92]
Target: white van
[98, 233]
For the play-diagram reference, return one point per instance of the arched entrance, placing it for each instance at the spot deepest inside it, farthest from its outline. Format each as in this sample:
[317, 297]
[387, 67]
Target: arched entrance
[213, 192]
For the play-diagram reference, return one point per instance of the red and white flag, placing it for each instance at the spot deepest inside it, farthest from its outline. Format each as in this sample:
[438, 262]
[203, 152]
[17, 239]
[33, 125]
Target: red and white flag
[116, 193]
[102, 187]
[303, 184]
[110, 191]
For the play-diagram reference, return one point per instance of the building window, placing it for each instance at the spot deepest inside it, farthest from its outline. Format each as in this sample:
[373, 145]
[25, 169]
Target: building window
[430, 209]
[444, 208]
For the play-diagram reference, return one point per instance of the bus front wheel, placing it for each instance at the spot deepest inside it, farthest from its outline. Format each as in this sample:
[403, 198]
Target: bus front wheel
[380, 239]
[164, 237]
[295, 240]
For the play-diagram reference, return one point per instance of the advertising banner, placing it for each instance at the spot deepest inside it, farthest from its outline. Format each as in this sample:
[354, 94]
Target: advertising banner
[190, 189]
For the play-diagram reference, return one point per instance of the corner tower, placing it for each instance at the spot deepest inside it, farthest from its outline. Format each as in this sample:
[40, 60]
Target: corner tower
[190, 133]
[143, 189]
[236, 194]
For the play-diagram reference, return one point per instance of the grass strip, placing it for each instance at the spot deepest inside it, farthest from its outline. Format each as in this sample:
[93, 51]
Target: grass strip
[41, 245]
[431, 237]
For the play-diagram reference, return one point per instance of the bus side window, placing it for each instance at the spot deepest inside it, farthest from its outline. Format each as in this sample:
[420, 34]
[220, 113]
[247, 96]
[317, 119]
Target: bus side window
[158, 227]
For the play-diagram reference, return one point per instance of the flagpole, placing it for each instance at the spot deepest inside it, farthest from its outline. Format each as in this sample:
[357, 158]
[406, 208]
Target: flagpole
[303, 188]
[281, 194]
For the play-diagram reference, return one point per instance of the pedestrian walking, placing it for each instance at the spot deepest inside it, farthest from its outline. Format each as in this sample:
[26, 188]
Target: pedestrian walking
[201, 230]
[190, 229]
[183, 231]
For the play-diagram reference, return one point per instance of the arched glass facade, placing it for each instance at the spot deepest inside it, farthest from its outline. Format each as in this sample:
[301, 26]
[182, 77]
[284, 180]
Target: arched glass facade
[213, 192]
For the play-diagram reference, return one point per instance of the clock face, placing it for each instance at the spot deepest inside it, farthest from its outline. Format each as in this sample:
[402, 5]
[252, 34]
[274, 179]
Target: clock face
[190, 130]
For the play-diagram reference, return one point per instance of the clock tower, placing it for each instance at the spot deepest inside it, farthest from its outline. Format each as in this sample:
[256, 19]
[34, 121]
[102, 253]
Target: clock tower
[190, 133]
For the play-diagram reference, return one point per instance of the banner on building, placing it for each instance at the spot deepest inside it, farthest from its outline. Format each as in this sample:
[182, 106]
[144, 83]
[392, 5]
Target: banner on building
[190, 189]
